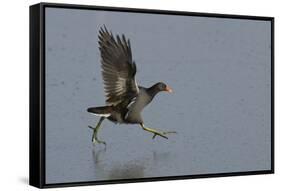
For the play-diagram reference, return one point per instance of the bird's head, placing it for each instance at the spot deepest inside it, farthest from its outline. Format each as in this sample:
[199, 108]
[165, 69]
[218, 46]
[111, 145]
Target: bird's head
[160, 86]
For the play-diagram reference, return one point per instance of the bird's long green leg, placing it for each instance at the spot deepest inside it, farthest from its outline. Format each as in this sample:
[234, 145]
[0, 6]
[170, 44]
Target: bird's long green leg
[95, 132]
[155, 132]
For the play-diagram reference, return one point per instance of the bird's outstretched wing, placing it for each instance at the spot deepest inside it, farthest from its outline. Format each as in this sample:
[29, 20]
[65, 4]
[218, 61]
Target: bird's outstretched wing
[118, 67]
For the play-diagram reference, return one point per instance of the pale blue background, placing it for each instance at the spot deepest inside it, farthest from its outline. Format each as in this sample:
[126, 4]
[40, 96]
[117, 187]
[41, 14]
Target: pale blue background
[218, 68]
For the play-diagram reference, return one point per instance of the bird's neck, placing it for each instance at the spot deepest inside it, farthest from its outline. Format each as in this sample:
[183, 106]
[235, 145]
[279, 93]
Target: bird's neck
[153, 90]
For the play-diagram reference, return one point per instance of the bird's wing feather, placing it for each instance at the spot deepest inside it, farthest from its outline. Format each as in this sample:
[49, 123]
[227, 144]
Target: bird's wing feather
[118, 68]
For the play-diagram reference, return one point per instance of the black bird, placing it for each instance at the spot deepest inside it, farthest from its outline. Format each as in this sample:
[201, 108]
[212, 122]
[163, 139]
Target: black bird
[124, 98]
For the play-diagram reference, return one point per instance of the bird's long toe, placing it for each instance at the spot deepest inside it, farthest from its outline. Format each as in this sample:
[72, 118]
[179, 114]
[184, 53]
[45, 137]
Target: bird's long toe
[159, 134]
[163, 134]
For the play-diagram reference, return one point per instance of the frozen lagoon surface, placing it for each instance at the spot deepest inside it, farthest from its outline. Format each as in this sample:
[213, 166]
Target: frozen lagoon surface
[218, 68]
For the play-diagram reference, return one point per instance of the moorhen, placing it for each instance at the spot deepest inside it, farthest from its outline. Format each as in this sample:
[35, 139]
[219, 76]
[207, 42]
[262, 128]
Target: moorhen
[124, 98]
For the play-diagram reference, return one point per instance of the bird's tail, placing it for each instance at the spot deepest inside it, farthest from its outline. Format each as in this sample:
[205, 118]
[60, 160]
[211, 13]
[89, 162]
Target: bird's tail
[104, 111]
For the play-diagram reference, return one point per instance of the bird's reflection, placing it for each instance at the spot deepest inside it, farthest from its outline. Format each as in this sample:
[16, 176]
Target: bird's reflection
[126, 171]
[129, 169]
[98, 154]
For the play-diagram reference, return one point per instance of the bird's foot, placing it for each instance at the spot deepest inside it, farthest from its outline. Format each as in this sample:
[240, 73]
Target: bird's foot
[157, 133]
[95, 138]
[163, 134]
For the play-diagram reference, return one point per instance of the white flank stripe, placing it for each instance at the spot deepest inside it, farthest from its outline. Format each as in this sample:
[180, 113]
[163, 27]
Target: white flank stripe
[101, 115]
[137, 86]
[127, 114]
[133, 101]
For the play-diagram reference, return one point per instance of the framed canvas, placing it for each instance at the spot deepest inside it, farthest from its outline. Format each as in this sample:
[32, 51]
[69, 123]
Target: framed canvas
[122, 95]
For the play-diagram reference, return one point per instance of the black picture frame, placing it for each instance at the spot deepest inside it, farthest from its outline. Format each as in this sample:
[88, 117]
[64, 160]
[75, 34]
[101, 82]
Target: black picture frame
[37, 94]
